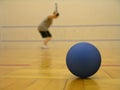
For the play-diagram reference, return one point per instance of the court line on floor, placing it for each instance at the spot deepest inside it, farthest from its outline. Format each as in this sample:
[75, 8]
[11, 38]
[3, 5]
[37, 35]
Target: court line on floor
[105, 65]
[111, 65]
[93, 40]
[14, 64]
[62, 26]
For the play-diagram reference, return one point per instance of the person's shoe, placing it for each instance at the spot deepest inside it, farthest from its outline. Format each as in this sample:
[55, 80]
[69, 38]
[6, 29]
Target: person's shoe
[44, 47]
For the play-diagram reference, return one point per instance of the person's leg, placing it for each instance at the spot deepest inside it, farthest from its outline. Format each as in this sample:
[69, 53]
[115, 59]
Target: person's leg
[47, 40]
[47, 37]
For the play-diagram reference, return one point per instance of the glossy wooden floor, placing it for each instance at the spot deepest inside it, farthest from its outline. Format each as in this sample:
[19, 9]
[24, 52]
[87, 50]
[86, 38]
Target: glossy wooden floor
[33, 68]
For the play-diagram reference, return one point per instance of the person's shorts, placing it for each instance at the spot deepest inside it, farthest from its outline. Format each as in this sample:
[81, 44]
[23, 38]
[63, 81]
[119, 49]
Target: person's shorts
[45, 34]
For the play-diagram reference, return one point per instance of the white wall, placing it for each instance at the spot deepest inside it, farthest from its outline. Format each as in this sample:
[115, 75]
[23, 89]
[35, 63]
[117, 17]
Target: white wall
[72, 12]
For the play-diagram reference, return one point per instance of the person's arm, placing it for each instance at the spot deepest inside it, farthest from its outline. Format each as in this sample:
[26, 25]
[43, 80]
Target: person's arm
[54, 15]
[51, 16]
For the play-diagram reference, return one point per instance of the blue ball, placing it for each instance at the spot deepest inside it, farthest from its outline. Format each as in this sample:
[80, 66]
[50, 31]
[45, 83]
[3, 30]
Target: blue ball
[83, 59]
